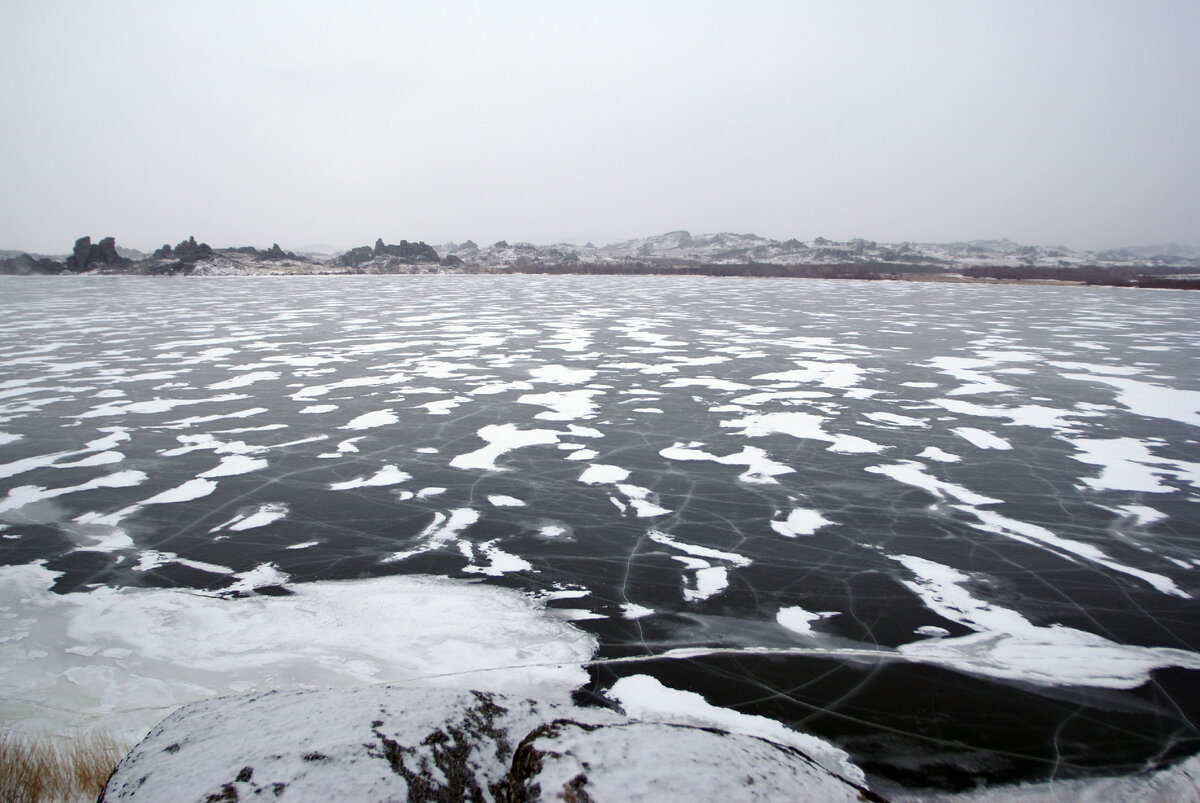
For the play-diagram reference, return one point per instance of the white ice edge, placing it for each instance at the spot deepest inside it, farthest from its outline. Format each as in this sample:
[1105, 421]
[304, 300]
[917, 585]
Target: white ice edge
[121, 659]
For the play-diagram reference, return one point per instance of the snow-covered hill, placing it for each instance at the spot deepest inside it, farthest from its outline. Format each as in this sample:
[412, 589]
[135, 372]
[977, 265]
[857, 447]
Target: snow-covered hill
[727, 248]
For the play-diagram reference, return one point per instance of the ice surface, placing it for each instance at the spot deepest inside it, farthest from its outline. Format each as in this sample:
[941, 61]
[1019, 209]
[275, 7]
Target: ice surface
[765, 474]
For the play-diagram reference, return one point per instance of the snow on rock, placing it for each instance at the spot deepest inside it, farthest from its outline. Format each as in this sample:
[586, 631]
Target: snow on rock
[647, 698]
[395, 744]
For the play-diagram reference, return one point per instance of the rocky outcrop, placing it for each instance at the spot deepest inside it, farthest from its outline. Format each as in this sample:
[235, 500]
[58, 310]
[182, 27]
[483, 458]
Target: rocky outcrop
[383, 258]
[181, 259]
[28, 264]
[87, 255]
[277, 253]
[424, 744]
[187, 251]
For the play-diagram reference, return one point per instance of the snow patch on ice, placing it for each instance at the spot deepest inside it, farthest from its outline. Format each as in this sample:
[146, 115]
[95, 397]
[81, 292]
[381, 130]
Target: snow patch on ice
[1007, 645]
[388, 475]
[502, 438]
[800, 522]
[378, 418]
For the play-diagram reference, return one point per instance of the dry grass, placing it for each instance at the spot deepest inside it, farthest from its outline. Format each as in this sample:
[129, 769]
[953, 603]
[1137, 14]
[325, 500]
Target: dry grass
[41, 769]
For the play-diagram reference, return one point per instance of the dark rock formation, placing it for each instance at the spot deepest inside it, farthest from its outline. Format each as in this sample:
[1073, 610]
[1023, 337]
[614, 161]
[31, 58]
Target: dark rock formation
[187, 251]
[79, 256]
[389, 256]
[275, 252]
[443, 745]
[88, 256]
[451, 261]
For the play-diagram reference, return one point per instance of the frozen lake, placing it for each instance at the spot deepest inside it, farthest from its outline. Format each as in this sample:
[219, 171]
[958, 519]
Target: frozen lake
[954, 530]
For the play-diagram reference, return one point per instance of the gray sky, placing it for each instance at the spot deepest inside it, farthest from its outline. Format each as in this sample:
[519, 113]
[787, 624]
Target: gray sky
[1074, 123]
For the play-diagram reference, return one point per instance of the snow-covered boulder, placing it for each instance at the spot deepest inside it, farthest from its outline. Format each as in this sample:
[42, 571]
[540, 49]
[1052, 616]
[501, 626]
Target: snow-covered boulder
[391, 744]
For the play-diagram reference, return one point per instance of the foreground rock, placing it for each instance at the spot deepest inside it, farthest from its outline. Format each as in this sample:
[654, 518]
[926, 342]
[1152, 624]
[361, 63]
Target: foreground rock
[407, 744]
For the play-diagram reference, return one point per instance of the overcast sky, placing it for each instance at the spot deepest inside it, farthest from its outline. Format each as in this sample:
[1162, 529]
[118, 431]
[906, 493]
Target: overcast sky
[1074, 123]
